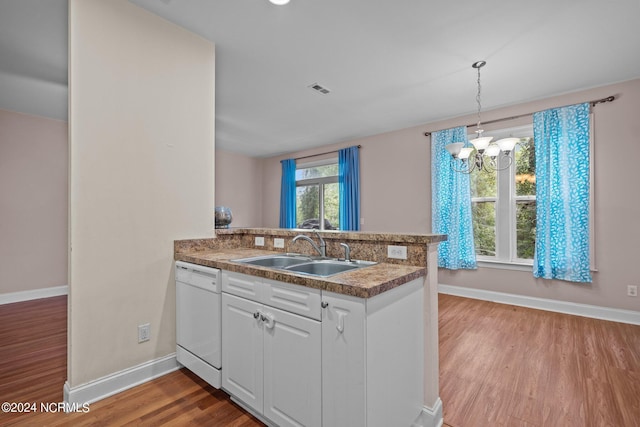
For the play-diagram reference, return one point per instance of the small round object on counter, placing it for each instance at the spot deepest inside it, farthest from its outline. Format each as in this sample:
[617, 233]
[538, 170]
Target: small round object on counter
[223, 216]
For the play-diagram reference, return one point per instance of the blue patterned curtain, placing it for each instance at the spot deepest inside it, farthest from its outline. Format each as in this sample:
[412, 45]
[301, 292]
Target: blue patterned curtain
[451, 203]
[349, 187]
[562, 185]
[288, 194]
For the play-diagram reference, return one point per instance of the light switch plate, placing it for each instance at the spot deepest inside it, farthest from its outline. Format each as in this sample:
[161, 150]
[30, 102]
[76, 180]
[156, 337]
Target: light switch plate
[278, 243]
[259, 241]
[397, 252]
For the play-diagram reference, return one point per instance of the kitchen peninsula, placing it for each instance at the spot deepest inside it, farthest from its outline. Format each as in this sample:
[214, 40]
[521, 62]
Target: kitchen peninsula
[377, 337]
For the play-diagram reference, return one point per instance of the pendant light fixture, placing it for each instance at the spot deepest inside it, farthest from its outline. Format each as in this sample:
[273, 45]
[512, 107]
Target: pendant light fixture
[487, 154]
[279, 2]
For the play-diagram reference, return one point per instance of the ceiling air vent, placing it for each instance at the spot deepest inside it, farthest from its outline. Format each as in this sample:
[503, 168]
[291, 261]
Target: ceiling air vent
[319, 88]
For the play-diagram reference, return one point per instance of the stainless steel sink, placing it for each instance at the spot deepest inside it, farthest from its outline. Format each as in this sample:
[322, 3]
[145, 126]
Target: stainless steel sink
[305, 265]
[275, 261]
[323, 268]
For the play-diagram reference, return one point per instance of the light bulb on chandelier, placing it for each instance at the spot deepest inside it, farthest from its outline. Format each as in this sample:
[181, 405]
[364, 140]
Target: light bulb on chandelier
[487, 154]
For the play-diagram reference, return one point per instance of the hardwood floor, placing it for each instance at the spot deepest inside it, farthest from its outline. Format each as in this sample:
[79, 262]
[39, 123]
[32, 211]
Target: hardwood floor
[500, 365]
[33, 350]
[33, 363]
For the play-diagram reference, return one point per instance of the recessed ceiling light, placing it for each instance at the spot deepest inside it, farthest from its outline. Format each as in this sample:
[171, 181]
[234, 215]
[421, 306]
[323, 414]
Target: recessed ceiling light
[279, 2]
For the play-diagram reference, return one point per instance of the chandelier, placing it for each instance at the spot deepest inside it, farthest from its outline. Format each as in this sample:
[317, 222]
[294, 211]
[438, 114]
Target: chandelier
[484, 155]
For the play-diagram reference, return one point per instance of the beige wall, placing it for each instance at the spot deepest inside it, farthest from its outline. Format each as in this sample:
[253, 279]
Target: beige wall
[393, 177]
[33, 202]
[396, 195]
[141, 96]
[238, 180]
[616, 208]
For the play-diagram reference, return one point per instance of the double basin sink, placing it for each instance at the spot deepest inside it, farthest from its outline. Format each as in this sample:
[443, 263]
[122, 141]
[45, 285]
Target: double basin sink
[295, 263]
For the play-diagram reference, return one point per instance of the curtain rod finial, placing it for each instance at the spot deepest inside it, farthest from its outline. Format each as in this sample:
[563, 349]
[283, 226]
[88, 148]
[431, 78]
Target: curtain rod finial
[603, 100]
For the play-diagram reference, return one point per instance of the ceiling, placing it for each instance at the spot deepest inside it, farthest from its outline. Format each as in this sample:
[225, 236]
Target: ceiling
[389, 64]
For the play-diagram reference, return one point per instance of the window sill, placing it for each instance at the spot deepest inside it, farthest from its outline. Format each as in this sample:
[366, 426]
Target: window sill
[503, 265]
[517, 266]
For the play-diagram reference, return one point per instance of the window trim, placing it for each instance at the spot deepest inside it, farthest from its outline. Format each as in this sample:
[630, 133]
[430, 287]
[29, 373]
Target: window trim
[525, 264]
[320, 182]
[506, 211]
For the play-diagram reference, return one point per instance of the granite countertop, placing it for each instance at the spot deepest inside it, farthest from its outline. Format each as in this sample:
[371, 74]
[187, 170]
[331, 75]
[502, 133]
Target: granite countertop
[363, 283]
[338, 234]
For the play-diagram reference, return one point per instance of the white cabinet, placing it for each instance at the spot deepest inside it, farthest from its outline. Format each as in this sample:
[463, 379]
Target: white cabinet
[292, 376]
[343, 361]
[372, 358]
[242, 348]
[300, 357]
[271, 357]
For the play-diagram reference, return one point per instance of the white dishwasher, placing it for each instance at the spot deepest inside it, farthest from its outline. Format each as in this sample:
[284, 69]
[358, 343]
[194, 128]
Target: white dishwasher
[198, 320]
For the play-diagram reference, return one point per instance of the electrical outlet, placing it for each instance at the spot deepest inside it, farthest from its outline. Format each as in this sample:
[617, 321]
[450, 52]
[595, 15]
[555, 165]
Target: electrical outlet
[259, 241]
[144, 332]
[632, 290]
[397, 252]
[278, 243]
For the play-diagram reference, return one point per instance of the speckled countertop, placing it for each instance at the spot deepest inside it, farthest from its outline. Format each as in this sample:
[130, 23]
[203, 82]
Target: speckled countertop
[363, 283]
[229, 244]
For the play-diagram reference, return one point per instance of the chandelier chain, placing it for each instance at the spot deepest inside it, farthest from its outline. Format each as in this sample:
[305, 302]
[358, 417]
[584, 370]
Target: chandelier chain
[478, 101]
[484, 155]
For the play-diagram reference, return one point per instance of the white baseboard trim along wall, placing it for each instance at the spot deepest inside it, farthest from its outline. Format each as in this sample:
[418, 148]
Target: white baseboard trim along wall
[120, 381]
[430, 417]
[585, 310]
[33, 294]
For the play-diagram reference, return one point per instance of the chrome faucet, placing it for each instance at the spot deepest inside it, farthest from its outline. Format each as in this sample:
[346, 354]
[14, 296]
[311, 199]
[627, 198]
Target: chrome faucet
[347, 252]
[322, 249]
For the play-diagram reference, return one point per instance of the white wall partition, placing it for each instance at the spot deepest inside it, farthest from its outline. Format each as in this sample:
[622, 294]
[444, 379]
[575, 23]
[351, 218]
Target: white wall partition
[141, 96]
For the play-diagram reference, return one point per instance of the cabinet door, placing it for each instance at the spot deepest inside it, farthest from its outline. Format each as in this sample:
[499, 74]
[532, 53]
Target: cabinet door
[343, 361]
[242, 345]
[292, 369]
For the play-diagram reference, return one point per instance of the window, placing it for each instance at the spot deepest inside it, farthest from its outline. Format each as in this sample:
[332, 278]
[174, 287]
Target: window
[317, 195]
[504, 204]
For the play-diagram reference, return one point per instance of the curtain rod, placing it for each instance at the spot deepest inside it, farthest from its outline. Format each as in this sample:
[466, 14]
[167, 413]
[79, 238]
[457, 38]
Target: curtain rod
[320, 154]
[593, 104]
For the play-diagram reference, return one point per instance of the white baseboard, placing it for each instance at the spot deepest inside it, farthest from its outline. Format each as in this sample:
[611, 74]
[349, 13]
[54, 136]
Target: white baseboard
[585, 310]
[431, 417]
[33, 294]
[120, 381]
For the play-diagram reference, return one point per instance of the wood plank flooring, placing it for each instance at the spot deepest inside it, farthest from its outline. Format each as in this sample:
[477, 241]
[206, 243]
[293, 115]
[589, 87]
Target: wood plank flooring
[33, 349]
[500, 365]
[33, 368]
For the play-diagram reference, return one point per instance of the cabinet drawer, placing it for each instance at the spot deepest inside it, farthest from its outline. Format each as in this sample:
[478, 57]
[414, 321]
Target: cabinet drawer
[242, 285]
[292, 298]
